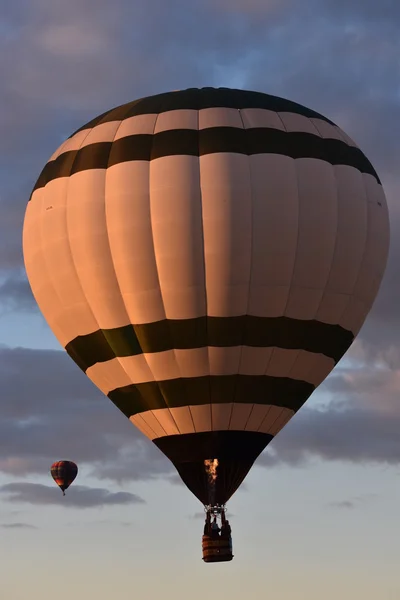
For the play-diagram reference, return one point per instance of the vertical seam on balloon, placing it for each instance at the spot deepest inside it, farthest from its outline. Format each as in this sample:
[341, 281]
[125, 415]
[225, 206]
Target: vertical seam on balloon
[268, 407]
[155, 262]
[376, 272]
[345, 138]
[204, 269]
[151, 414]
[158, 277]
[319, 131]
[117, 358]
[68, 232]
[280, 422]
[126, 116]
[335, 244]
[248, 158]
[379, 272]
[146, 425]
[297, 242]
[183, 380]
[366, 240]
[274, 420]
[301, 352]
[294, 162]
[68, 245]
[351, 295]
[310, 119]
[191, 417]
[248, 418]
[281, 120]
[334, 169]
[111, 255]
[50, 278]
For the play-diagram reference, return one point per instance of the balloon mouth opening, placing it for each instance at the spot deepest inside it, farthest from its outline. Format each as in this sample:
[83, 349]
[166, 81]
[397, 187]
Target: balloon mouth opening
[213, 464]
[211, 469]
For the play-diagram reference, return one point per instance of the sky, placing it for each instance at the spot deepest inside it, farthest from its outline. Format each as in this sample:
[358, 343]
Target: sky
[318, 515]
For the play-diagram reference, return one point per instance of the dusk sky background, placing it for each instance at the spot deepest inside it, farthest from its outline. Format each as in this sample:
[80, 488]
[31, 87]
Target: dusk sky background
[318, 517]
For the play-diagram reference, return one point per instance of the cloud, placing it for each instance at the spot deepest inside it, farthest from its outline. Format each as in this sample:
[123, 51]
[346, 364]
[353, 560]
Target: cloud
[17, 526]
[352, 503]
[365, 11]
[98, 522]
[342, 504]
[175, 479]
[78, 496]
[50, 410]
[16, 294]
[360, 424]
[70, 41]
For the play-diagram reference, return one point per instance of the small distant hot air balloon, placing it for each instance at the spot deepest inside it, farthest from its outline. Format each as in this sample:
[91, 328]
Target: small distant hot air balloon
[206, 257]
[64, 472]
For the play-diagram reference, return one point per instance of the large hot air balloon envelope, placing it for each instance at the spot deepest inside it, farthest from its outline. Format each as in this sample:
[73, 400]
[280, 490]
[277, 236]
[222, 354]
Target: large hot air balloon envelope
[206, 257]
[64, 473]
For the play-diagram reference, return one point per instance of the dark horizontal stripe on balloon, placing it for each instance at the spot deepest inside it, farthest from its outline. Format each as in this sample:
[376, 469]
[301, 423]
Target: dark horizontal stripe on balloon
[199, 99]
[203, 445]
[214, 389]
[184, 334]
[191, 142]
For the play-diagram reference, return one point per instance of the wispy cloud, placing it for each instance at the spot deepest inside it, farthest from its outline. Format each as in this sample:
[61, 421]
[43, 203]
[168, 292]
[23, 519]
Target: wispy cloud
[352, 502]
[17, 526]
[342, 504]
[78, 496]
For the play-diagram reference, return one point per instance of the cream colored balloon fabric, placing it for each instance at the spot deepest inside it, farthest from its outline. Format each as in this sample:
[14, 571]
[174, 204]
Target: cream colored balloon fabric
[207, 256]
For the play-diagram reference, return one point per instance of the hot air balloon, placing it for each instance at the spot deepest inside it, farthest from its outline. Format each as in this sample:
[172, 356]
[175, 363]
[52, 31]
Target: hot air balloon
[64, 472]
[206, 257]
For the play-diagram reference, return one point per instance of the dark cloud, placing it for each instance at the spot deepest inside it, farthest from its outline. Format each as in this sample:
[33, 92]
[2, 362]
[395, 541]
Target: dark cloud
[17, 526]
[360, 424]
[77, 497]
[50, 411]
[352, 79]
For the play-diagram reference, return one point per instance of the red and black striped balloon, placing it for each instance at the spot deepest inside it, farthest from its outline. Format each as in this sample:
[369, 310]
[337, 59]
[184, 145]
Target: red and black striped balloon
[64, 472]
